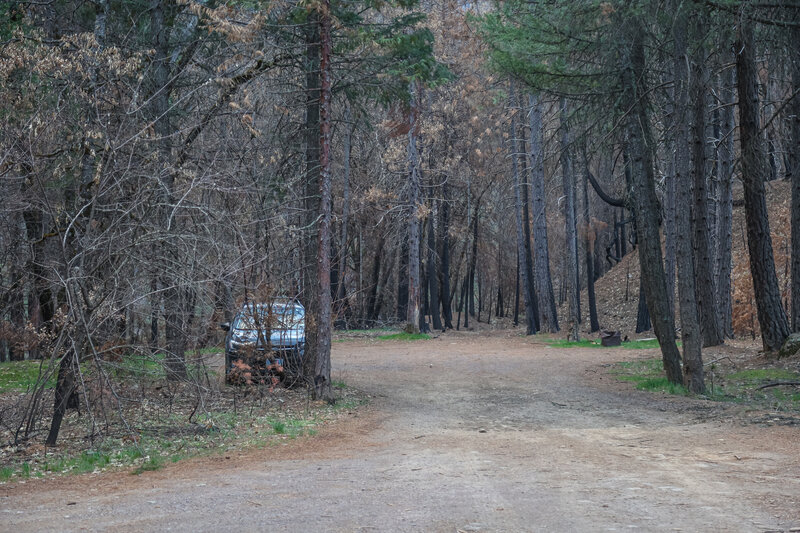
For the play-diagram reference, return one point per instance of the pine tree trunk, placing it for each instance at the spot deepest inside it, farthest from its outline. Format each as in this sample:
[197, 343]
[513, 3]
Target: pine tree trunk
[341, 294]
[771, 316]
[542, 279]
[794, 169]
[644, 201]
[704, 265]
[523, 240]
[444, 239]
[311, 195]
[642, 314]
[687, 298]
[473, 264]
[527, 226]
[725, 205]
[571, 258]
[588, 242]
[433, 281]
[413, 311]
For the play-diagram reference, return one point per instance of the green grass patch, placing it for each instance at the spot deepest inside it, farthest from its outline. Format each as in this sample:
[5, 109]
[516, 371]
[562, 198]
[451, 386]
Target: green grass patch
[341, 385]
[741, 386]
[643, 344]
[22, 375]
[648, 375]
[403, 336]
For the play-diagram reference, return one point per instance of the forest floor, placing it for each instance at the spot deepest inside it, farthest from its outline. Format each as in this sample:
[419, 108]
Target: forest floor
[465, 432]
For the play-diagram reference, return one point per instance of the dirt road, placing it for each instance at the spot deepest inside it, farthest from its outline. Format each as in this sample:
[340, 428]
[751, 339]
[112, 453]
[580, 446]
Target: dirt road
[466, 433]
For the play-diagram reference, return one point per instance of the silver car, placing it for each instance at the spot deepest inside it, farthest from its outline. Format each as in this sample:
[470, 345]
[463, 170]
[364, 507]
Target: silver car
[266, 338]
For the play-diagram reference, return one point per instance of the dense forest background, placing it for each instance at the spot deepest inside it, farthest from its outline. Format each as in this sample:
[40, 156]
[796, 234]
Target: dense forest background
[435, 164]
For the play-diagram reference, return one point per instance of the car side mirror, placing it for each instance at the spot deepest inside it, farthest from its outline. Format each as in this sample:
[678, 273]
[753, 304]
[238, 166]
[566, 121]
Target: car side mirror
[226, 326]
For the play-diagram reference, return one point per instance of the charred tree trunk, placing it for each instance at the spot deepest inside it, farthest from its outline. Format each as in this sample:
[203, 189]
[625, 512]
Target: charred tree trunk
[433, 281]
[444, 239]
[322, 369]
[542, 279]
[588, 241]
[642, 314]
[341, 293]
[413, 311]
[571, 258]
[771, 316]
[643, 198]
[794, 166]
[527, 227]
[516, 293]
[725, 205]
[703, 249]
[523, 236]
[687, 298]
[472, 265]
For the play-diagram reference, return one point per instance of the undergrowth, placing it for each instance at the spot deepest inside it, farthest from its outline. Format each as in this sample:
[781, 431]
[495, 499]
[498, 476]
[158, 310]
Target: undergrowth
[739, 386]
[642, 344]
[403, 336]
[158, 441]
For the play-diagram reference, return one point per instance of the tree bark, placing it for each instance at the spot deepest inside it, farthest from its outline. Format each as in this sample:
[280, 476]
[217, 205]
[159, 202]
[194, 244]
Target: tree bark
[433, 281]
[687, 298]
[543, 281]
[571, 251]
[643, 198]
[444, 239]
[588, 242]
[322, 368]
[794, 166]
[703, 250]
[521, 208]
[771, 316]
[725, 206]
[413, 311]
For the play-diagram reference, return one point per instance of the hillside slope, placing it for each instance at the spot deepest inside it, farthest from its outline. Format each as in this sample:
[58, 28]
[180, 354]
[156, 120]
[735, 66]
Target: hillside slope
[618, 290]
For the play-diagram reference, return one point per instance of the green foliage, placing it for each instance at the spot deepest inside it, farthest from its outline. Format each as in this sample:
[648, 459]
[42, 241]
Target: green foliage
[559, 47]
[403, 336]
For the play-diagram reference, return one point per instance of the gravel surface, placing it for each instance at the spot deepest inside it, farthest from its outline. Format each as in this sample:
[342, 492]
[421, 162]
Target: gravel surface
[466, 433]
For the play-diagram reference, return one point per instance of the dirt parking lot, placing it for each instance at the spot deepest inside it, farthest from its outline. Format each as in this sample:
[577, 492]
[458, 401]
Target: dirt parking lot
[465, 433]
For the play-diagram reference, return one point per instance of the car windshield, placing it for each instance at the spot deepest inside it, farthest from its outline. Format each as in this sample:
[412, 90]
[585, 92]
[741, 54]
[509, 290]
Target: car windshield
[286, 315]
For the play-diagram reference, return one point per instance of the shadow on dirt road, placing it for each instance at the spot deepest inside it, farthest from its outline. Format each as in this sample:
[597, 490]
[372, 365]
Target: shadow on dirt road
[466, 433]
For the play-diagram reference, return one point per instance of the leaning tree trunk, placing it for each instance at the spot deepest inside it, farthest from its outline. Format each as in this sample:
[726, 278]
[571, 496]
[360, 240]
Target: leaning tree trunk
[523, 250]
[571, 251]
[542, 279]
[644, 201]
[771, 316]
[687, 299]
